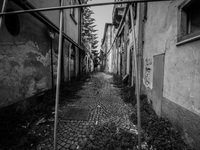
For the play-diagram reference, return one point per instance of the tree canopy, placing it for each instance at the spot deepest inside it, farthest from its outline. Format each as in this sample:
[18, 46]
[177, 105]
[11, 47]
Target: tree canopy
[89, 35]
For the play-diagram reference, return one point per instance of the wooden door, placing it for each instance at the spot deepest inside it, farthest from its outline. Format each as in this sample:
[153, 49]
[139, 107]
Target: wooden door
[158, 75]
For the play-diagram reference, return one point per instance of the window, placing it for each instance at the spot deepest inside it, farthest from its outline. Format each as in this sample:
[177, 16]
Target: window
[72, 51]
[189, 21]
[73, 11]
[12, 23]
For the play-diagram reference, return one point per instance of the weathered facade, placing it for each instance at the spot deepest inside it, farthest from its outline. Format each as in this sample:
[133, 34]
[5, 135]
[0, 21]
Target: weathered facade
[29, 49]
[165, 36]
[106, 47]
[173, 60]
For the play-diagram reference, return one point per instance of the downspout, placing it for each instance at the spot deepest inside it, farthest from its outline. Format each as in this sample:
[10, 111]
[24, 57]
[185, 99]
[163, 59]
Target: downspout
[137, 74]
[140, 43]
[125, 45]
[75, 62]
[80, 31]
[2, 10]
[116, 59]
[52, 82]
[69, 62]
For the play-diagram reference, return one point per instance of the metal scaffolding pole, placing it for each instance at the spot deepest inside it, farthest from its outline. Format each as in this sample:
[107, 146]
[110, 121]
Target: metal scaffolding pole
[58, 77]
[2, 10]
[77, 6]
[137, 80]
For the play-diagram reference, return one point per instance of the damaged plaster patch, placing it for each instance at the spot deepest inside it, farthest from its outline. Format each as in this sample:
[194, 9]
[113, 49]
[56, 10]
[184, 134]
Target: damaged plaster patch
[195, 109]
[24, 70]
[45, 60]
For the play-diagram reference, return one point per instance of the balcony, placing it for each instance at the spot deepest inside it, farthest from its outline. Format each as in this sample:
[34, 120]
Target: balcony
[118, 11]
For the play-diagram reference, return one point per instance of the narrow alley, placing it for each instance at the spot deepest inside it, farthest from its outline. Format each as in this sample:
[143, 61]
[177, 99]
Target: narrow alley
[95, 113]
[74, 77]
[99, 103]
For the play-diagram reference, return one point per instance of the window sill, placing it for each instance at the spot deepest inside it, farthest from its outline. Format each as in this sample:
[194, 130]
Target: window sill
[188, 38]
[72, 17]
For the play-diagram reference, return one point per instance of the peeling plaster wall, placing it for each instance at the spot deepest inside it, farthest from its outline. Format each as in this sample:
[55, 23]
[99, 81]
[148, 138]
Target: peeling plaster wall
[182, 63]
[51, 15]
[182, 71]
[71, 27]
[24, 60]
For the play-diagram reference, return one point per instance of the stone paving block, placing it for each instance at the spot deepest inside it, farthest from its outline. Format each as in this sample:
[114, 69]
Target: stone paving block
[63, 143]
[67, 146]
[73, 147]
[63, 148]
[69, 141]
[58, 147]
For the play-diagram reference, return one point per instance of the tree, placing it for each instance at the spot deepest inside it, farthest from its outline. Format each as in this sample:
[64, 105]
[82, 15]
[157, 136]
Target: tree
[88, 29]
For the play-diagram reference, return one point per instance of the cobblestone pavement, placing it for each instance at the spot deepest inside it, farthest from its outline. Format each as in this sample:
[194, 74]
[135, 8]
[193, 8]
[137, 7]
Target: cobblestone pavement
[101, 99]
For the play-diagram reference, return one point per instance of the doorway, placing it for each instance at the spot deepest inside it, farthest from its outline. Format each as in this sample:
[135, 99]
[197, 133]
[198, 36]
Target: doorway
[158, 75]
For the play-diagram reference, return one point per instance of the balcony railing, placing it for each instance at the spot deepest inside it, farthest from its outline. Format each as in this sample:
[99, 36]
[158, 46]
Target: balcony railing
[117, 14]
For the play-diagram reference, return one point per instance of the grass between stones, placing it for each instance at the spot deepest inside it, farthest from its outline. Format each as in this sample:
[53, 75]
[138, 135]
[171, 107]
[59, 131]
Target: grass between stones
[157, 132]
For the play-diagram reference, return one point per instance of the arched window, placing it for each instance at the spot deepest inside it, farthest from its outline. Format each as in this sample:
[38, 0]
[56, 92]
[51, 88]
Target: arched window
[72, 51]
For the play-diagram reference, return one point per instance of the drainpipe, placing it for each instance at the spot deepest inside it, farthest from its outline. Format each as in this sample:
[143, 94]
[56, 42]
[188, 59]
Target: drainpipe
[52, 82]
[137, 85]
[58, 76]
[69, 64]
[2, 10]
[117, 48]
[52, 36]
[140, 42]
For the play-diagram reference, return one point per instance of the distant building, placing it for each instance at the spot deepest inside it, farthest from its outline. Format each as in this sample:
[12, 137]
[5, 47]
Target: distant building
[106, 45]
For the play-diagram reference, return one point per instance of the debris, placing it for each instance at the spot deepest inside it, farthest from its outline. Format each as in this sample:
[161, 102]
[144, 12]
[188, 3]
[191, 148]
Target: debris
[41, 121]
[110, 137]
[96, 122]
[50, 120]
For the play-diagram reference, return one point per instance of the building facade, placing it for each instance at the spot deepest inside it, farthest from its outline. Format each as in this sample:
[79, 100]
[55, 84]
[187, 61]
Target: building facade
[106, 47]
[165, 36]
[29, 49]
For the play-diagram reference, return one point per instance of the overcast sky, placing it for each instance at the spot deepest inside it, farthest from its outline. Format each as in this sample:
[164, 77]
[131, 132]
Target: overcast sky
[103, 14]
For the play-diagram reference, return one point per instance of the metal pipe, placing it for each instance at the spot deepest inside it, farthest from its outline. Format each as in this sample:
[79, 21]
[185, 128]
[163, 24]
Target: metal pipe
[51, 45]
[2, 10]
[58, 77]
[69, 63]
[137, 81]
[132, 74]
[140, 42]
[77, 6]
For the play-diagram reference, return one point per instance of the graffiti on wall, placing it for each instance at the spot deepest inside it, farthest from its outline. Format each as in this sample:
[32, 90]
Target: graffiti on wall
[148, 72]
